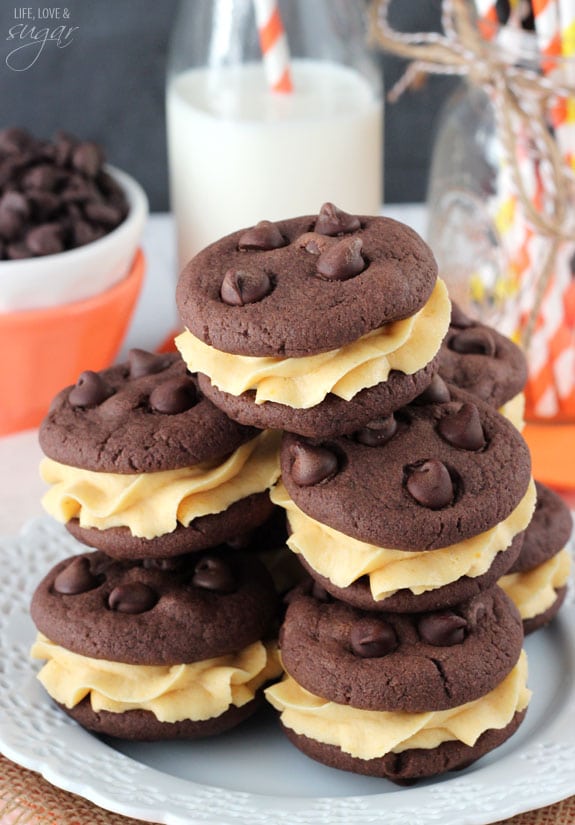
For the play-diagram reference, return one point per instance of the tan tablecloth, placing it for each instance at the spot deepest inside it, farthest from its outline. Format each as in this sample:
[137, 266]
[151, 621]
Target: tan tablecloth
[27, 799]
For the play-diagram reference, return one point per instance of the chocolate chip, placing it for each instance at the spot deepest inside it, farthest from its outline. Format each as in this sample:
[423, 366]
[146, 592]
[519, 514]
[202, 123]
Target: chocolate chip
[458, 318]
[372, 638]
[341, 261]
[377, 433]
[436, 393]
[174, 396]
[320, 593]
[12, 201]
[334, 221]
[63, 147]
[17, 251]
[134, 597]
[311, 465]
[78, 190]
[442, 629]
[45, 239]
[264, 235]
[44, 205]
[76, 578]
[211, 573]
[90, 390]
[14, 140]
[41, 177]
[473, 341]
[102, 213]
[87, 158]
[143, 363]
[429, 483]
[83, 233]
[11, 224]
[463, 429]
[240, 287]
[475, 613]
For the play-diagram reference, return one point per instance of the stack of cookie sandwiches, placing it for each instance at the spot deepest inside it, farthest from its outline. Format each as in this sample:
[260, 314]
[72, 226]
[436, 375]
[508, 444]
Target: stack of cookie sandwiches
[406, 497]
[480, 360]
[162, 626]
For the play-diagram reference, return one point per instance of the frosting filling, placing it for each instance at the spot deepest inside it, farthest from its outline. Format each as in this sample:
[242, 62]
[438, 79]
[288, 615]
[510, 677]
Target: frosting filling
[534, 591]
[152, 504]
[198, 691]
[343, 559]
[301, 383]
[514, 411]
[368, 734]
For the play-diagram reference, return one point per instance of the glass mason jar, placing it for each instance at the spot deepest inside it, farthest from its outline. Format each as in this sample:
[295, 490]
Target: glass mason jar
[489, 251]
[240, 152]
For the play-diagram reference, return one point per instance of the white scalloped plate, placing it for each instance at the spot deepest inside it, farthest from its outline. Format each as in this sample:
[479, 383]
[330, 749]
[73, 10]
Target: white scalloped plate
[253, 776]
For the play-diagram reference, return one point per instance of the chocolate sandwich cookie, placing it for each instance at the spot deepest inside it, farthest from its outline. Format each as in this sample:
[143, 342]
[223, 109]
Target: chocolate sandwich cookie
[400, 696]
[143, 465]
[315, 324]
[418, 511]
[537, 581]
[477, 358]
[156, 649]
[359, 593]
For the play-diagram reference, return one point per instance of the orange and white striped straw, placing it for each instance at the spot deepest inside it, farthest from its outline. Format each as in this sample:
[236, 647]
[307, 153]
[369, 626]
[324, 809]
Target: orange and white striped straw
[551, 385]
[546, 15]
[567, 21]
[487, 19]
[274, 46]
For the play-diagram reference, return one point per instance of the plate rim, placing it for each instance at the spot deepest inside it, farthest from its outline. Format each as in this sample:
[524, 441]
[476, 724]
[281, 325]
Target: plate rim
[42, 541]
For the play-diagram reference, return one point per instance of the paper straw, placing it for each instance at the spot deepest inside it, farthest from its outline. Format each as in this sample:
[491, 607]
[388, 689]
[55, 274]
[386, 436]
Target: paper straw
[567, 21]
[546, 13]
[487, 19]
[274, 46]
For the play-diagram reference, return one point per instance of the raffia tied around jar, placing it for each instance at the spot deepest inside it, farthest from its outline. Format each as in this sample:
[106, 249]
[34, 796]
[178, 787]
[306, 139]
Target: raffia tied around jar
[525, 99]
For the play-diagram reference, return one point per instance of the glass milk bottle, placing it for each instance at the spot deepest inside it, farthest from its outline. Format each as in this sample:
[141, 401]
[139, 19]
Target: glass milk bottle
[240, 151]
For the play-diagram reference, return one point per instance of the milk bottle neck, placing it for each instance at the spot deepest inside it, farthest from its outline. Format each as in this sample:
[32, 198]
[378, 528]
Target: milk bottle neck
[223, 33]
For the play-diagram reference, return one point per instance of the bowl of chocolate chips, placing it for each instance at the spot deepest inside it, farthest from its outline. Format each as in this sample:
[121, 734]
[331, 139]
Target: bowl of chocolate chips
[70, 225]
[70, 267]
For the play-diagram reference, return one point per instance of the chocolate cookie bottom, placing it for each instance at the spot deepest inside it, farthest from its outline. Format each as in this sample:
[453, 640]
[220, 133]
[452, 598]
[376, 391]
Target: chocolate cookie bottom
[333, 416]
[358, 593]
[143, 726]
[542, 619]
[201, 534]
[411, 765]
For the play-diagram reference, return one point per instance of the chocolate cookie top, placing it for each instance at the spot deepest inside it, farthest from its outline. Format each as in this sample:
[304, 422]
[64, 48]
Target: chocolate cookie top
[547, 533]
[479, 359]
[163, 612]
[145, 415]
[304, 285]
[400, 662]
[441, 469]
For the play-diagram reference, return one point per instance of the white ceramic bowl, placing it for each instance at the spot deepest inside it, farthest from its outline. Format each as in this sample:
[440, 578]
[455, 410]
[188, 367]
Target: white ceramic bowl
[77, 274]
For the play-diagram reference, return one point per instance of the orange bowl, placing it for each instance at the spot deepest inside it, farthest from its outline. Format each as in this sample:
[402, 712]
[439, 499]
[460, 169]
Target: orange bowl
[44, 350]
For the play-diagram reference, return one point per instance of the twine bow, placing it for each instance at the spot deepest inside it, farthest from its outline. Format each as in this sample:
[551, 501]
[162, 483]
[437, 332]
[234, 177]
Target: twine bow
[522, 98]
